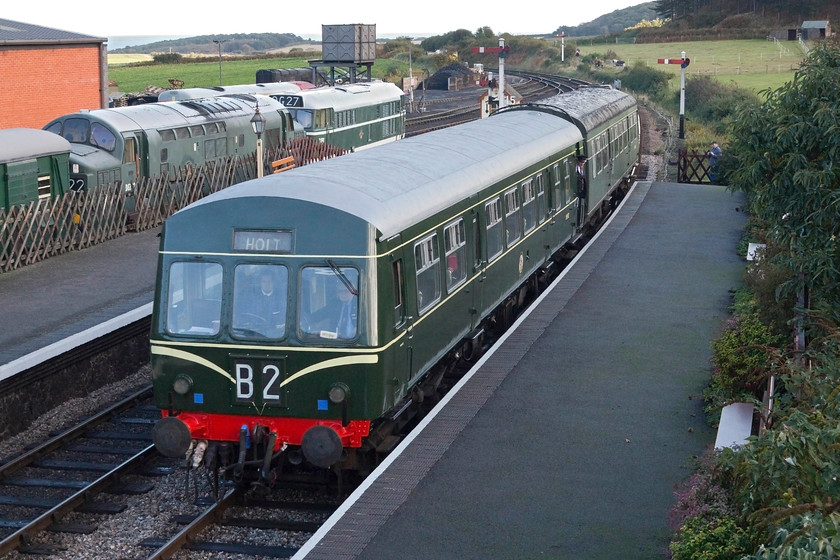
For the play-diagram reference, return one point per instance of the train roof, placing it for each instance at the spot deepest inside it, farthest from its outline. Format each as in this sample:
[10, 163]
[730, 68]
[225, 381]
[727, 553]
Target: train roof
[179, 113]
[17, 144]
[397, 185]
[590, 106]
[201, 92]
[349, 96]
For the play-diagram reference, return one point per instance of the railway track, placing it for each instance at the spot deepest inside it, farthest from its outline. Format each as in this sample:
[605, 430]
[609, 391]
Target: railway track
[71, 472]
[237, 525]
[458, 109]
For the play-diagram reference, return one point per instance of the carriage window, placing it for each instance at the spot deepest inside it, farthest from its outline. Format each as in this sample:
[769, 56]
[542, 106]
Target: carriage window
[260, 292]
[455, 250]
[329, 303]
[182, 132]
[542, 207]
[529, 205]
[513, 217]
[399, 316]
[197, 130]
[493, 213]
[427, 263]
[558, 175]
[194, 298]
[167, 135]
[567, 181]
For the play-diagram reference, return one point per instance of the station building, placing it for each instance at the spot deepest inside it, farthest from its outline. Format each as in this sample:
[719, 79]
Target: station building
[48, 73]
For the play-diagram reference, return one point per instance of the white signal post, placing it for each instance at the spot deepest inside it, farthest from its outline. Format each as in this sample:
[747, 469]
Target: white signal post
[682, 96]
[502, 50]
[683, 62]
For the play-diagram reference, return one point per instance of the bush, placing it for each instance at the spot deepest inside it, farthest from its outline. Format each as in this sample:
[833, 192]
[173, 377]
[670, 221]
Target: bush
[741, 361]
[167, 58]
[702, 538]
[641, 78]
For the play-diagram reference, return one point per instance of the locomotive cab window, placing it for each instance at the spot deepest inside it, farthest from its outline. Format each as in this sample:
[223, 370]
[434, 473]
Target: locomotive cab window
[194, 293]
[328, 308]
[102, 137]
[260, 293]
[427, 265]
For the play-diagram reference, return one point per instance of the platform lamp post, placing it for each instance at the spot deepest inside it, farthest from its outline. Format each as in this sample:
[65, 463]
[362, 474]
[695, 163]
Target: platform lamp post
[258, 124]
[219, 42]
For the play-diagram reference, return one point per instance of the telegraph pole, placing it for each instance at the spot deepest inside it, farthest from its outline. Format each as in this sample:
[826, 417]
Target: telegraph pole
[219, 42]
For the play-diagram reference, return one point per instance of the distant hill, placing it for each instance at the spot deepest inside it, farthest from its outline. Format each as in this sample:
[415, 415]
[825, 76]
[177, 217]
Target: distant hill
[240, 43]
[612, 23]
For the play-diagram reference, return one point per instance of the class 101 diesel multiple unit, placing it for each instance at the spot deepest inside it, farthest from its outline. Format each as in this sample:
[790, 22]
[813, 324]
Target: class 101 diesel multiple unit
[298, 317]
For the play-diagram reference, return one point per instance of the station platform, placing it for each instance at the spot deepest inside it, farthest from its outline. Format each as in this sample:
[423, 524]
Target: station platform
[68, 300]
[567, 440]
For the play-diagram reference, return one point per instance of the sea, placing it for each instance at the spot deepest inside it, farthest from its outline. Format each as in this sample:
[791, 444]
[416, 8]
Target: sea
[120, 41]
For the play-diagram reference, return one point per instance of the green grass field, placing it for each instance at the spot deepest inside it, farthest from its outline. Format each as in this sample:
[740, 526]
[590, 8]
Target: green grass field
[195, 74]
[751, 64]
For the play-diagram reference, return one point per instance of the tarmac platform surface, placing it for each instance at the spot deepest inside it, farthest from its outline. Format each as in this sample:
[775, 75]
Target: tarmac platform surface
[62, 297]
[568, 441]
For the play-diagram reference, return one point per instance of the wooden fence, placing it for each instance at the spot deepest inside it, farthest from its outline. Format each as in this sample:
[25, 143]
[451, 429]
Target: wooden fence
[78, 220]
[693, 168]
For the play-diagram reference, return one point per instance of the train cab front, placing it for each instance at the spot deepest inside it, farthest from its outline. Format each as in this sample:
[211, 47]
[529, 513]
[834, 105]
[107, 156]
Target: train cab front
[259, 362]
[99, 155]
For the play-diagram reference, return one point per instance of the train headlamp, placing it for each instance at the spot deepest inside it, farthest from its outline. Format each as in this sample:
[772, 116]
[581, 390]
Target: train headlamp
[182, 384]
[338, 393]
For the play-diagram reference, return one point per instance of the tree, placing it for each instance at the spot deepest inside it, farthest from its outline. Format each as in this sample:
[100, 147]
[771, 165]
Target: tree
[785, 158]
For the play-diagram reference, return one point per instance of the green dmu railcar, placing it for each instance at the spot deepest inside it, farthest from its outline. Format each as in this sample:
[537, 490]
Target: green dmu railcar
[296, 316]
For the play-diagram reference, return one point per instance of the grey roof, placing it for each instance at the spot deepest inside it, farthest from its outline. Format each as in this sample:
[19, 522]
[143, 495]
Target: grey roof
[18, 144]
[16, 32]
[817, 24]
[397, 185]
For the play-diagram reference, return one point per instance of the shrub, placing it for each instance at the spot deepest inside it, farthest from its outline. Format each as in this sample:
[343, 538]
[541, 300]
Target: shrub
[702, 538]
[641, 78]
[167, 58]
[741, 361]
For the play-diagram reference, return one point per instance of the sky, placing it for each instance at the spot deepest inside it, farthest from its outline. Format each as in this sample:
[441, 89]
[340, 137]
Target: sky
[392, 18]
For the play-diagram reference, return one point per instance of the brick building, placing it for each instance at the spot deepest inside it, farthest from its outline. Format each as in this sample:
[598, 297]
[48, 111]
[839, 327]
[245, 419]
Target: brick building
[48, 73]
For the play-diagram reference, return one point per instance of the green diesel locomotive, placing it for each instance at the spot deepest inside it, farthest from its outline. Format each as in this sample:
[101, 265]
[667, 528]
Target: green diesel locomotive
[124, 144]
[302, 316]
